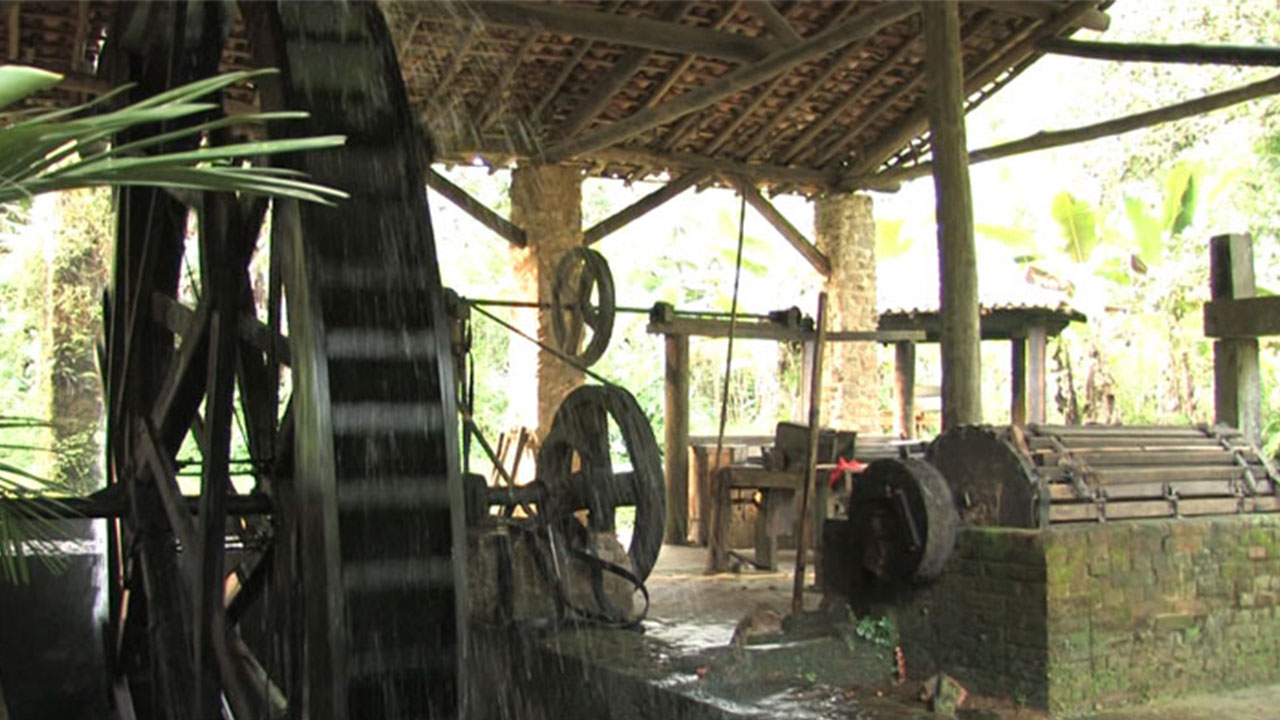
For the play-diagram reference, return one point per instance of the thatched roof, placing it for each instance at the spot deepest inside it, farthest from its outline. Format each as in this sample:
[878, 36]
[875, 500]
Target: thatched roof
[796, 96]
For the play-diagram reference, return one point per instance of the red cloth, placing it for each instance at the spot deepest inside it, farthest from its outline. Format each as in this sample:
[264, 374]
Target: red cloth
[841, 466]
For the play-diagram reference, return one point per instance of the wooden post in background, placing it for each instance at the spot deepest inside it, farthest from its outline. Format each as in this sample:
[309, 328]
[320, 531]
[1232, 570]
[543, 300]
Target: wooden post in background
[1237, 396]
[1018, 381]
[957, 256]
[904, 381]
[1037, 346]
[676, 448]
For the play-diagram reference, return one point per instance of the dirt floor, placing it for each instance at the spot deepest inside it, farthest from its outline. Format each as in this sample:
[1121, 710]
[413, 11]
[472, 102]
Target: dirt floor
[695, 613]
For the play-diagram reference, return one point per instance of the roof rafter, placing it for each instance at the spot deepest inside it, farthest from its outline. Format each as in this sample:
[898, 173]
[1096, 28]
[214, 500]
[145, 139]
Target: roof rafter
[816, 257]
[476, 209]
[674, 76]
[640, 32]
[774, 22]
[643, 206]
[736, 81]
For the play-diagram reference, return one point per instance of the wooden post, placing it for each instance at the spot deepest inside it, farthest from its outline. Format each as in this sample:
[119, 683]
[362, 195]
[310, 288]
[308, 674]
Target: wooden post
[1237, 397]
[806, 483]
[1018, 381]
[676, 449]
[957, 257]
[904, 381]
[1037, 344]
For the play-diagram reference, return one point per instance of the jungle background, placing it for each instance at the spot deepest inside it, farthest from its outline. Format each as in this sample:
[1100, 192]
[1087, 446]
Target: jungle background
[1117, 228]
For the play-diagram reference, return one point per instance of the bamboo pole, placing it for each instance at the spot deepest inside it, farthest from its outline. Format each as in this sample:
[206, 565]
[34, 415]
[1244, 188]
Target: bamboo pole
[1267, 55]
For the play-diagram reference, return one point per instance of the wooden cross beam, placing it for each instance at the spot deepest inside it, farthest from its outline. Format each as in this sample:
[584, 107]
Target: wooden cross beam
[1268, 55]
[1117, 126]
[476, 209]
[744, 77]
[816, 258]
[643, 206]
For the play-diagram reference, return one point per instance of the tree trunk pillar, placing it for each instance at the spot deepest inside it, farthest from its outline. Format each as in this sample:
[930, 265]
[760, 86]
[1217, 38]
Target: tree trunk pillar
[957, 256]
[546, 201]
[845, 231]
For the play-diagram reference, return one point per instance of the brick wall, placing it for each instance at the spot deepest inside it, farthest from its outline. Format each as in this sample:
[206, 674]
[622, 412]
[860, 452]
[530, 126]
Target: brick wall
[1090, 616]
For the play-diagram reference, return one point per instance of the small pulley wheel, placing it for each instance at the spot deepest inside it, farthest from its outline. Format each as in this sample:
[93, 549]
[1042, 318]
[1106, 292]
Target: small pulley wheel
[582, 298]
[575, 467]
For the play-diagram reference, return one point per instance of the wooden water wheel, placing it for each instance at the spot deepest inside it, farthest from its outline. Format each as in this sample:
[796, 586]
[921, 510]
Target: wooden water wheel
[322, 579]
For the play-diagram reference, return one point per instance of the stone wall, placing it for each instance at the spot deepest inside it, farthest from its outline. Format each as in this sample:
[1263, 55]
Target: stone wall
[845, 231]
[546, 201]
[1084, 617]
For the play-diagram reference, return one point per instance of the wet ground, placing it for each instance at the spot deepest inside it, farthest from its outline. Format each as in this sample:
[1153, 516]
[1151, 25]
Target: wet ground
[686, 665]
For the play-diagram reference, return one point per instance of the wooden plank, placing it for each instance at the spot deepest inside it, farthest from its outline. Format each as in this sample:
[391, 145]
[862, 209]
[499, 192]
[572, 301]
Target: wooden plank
[1210, 506]
[957, 256]
[676, 448]
[620, 29]
[1237, 55]
[1138, 509]
[1203, 488]
[476, 209]
[643, 206]
[1135, 491]
[1081, 512]
[1037, 393]
[1064, 492]
[1120, 475]
[807, 249]
[757, 478]
[736, 81]
[904, 382]
[1057, 138]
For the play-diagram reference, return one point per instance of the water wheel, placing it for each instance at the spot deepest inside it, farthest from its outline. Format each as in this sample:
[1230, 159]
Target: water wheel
[320, 579]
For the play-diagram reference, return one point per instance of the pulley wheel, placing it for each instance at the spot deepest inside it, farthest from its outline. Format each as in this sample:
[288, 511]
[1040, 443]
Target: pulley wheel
[576, 468]
[582, 298]
[903, 524]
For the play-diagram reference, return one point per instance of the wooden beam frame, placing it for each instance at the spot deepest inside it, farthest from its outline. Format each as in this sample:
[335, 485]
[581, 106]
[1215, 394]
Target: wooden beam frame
[676, 441]
[1057, 138]
[1018, 49]
[744, 77]
[816, 257]
[476, 209]
[1265, 55]
[617, 77]
[643, 206]
[1237, 397]
[695, 161]
[805, 139]
[607, 27]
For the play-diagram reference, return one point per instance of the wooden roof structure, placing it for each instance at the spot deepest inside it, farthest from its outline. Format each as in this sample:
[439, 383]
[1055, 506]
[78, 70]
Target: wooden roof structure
[791, 95]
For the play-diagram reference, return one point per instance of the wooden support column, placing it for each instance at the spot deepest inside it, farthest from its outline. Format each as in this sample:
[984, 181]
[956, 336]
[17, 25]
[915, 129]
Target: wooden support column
[1037, 346]
[546, 200]
[904, 381]
[1237, 398]
[957, 256]
[676, 449]
[1018, 381]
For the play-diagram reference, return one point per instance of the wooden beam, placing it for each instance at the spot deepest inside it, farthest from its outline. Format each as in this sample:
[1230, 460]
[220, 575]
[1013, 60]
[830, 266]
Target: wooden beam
[1266, 55]
[1058, 138]
[728, 130]
[1037, 399]
[179, 320]
[641, 207]
[957, 256]
[804, 141]
[673, 77]
[1090, 19]
[618, 76]
[744, 330]
[1018, 381]
[623, 30]
[744, 77]
[476, 209]
[1237, 395]
[1018, 48]
[774, 22]
[80, 44]
[904, 381]
[694, 161]
[676, 448]
[784, 227]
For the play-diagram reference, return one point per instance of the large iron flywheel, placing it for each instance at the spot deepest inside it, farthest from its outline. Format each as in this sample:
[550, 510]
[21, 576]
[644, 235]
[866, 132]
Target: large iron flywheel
[293, 534]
